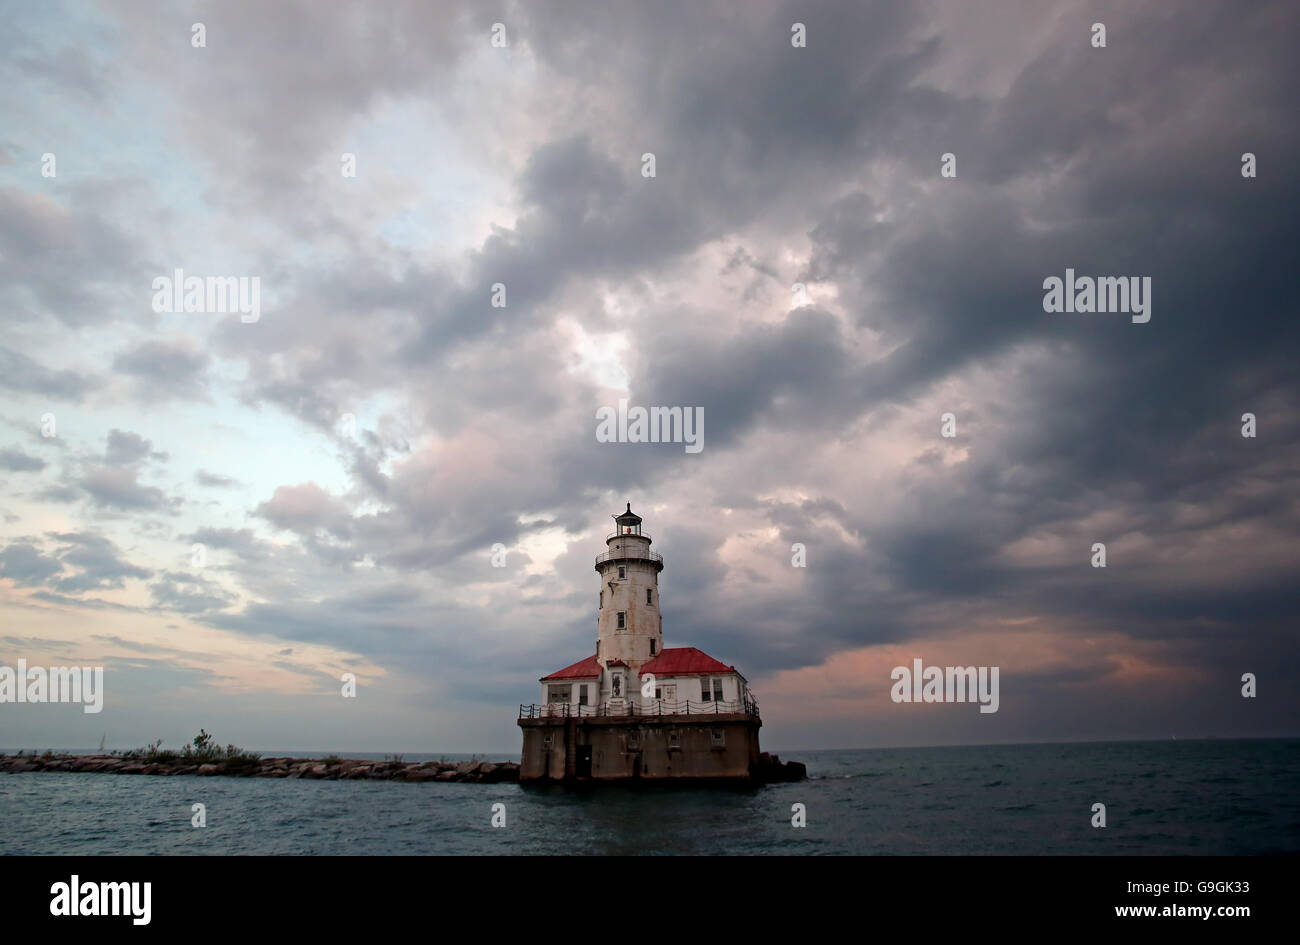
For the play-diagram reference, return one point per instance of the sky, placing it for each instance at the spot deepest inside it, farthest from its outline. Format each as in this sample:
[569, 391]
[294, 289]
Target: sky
[842, 242]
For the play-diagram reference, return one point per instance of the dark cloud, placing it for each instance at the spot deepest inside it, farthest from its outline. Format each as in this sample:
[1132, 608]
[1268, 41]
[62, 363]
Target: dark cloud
[189, 593]
[22, 563]
[214, 480]
[126, 448]
[775, 165]
[64, 494]
[134, 645]
[22, 373]
[83, 72]
[97, 561]
[43, 240]
[68, 563]
[282, 101]
[165, 369]
[83, 603]
[119, 488]
[242, 541]
[15, 460]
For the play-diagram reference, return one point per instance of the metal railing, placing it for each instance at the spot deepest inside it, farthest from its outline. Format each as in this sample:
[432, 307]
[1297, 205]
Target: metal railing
[650, 708]
[633, 553]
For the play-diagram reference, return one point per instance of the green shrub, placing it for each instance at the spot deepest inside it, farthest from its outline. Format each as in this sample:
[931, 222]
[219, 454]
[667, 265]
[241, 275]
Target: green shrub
[198, 752]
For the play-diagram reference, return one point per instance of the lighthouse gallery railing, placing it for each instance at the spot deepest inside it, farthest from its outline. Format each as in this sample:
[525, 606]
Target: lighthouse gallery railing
[633, 553]
[651, 708]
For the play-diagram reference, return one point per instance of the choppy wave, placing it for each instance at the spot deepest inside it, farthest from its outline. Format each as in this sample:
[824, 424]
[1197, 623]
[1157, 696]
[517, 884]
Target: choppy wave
[1211, 797]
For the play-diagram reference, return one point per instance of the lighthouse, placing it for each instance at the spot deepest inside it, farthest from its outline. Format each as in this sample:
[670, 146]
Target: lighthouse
[629, 630]
[635, 708]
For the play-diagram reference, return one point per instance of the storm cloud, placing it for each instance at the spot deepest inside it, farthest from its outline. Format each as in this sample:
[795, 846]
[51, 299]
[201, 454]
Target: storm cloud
[439, 331]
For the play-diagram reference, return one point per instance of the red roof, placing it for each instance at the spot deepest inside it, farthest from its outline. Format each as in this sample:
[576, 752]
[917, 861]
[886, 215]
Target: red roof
[685, 661]
[583, 669]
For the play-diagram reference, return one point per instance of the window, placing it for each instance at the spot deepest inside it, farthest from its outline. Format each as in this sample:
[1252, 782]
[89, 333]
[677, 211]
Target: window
[705, 693]
[649, 599]
[582, 694]
[618, 686]
[652, 647]
[622, 619]
[560, 693]
[717, 690]
[548, 741]
[634, 739]
[622, 573]
[659, 693]
[717, 737]
[674, 739]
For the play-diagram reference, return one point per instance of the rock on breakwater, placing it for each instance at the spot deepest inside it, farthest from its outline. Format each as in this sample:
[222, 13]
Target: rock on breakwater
[770, 769]
[322, 769]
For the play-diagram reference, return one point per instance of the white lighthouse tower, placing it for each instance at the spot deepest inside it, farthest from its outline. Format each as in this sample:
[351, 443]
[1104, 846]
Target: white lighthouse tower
[629, 628]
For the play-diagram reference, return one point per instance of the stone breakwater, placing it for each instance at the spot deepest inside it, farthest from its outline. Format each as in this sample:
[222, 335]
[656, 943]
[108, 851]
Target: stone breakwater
[771, 770]
[348, 769]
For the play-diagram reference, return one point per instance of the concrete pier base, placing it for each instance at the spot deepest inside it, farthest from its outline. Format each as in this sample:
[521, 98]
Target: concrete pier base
[714, 747]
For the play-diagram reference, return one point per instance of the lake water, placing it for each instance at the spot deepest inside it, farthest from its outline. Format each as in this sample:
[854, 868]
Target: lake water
[1184, 797]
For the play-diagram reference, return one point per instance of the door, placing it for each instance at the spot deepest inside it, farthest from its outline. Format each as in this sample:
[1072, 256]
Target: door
[584, 761]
